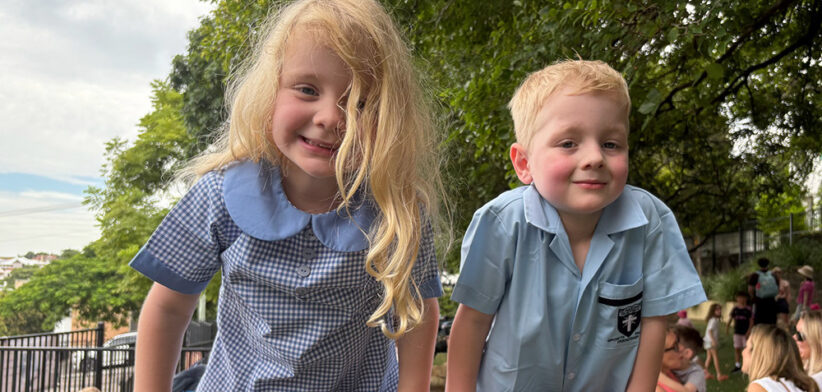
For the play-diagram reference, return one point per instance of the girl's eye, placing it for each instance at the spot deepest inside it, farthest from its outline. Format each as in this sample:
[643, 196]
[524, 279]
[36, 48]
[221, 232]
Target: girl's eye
[307, 91]
[567, 144]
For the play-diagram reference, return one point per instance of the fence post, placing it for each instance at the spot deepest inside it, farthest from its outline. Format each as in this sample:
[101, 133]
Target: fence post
[98, 363]
[790, 228]
[741, 241]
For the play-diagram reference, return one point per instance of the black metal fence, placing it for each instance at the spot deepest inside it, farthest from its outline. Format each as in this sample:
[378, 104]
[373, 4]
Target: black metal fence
[70, 361]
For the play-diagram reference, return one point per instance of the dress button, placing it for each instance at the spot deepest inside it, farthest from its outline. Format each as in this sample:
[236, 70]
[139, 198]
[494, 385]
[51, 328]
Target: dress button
[577, 337]
[571, 375]
[309, 253]
[304, 271]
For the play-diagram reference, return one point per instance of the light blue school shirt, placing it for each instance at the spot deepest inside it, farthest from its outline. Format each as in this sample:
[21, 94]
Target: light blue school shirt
[294, 296]
[556, 329]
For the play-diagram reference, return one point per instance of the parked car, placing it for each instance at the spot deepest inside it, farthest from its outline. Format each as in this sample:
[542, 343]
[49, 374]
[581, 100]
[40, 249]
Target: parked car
[85, 360]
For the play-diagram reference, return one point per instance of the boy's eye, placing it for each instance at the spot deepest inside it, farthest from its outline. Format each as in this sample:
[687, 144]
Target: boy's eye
[307, 90]
[567, 144]
[609, 145]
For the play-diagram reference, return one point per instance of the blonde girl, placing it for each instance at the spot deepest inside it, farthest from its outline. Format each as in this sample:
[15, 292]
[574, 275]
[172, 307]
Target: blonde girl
[808, 338]
[317, 204]
[771, 360]
[711, 340]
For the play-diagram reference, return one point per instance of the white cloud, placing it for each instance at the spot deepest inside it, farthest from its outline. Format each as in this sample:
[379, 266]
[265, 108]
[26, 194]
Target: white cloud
[76, 74]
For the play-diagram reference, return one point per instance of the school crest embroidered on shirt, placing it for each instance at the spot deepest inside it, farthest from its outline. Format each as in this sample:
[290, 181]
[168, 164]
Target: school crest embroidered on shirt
[628, 319]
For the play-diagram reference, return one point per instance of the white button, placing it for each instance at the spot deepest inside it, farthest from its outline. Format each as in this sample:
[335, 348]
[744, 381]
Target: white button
[577, 337]
[571, 376]
[309, 253]
[304, 271]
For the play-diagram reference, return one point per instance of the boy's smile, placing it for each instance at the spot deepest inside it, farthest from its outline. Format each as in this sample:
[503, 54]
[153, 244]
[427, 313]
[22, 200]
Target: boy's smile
[578, 155]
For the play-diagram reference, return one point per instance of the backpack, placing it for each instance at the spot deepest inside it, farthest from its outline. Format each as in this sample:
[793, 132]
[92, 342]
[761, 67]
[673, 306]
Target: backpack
[766, 287]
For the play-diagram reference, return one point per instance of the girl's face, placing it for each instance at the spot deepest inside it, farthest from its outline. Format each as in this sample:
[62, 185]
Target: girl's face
[718, 311]
[308, 118]
[746, 358]
[804, 350]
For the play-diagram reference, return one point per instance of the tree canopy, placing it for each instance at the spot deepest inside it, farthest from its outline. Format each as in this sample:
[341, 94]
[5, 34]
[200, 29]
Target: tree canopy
[725, 122]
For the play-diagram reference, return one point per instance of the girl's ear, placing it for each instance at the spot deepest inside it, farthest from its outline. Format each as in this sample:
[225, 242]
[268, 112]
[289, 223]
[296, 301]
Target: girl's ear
[519, 157]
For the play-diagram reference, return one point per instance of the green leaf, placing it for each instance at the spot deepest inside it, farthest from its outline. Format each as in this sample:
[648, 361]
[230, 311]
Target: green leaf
[715, 71]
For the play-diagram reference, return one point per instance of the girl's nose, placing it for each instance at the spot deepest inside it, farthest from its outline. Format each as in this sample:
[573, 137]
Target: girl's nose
[330, 116]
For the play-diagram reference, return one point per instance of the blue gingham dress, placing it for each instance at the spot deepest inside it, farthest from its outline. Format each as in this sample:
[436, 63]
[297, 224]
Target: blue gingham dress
[294, 296]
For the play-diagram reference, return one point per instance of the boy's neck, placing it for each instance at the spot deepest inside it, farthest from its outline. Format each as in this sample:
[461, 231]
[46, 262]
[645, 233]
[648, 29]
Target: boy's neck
[580, 229]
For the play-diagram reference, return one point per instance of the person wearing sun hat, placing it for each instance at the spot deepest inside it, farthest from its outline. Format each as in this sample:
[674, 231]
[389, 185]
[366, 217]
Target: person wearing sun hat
[804, 297]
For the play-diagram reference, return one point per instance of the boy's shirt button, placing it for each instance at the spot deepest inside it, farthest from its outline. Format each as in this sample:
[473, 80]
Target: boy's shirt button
[571, 375]
[577, 337]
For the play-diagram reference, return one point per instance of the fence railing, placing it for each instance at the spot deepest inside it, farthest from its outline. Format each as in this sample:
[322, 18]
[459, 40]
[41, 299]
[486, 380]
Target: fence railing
[70, 361]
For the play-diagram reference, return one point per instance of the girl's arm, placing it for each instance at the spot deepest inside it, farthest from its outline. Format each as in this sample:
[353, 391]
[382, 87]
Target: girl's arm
[163, 320]
[468, 333]
[649, 354]
[416, 350]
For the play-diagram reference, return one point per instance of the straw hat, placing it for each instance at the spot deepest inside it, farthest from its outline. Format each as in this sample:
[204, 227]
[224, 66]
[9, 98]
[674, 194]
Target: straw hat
[776, 270]
[806, 271]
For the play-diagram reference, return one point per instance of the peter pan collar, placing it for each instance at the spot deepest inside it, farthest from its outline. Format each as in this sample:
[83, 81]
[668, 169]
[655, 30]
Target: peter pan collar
[255, 200]
[624, 213]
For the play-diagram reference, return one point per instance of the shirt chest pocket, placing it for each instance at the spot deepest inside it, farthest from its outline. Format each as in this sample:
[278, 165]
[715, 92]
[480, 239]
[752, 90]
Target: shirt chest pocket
[619, 312]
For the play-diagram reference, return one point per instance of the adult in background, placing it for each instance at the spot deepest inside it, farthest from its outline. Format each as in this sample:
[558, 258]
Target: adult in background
[804, 297]
[783, 299]
[763, 287]
[771, 361]
[808, 338]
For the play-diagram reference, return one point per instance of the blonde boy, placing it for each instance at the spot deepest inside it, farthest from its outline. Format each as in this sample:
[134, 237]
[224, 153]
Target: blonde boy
[576, 270]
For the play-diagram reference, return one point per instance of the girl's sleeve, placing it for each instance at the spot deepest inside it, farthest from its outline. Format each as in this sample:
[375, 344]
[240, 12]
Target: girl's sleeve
[183, 253]
[487, 257]
[671, 282]
[426, 271]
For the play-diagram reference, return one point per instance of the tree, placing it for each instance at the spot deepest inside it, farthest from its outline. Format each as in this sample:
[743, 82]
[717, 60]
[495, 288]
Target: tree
[726, 93]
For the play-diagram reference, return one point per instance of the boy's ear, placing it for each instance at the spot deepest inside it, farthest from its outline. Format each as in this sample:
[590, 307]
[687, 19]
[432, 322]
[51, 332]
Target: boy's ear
[519, 158]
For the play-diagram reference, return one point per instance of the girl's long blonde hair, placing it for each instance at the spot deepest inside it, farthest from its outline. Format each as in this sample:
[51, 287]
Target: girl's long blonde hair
[812, 330]
[774, 354]
[388, 148]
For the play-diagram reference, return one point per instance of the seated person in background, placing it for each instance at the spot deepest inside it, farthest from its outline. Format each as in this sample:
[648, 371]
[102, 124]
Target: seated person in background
[689, 375]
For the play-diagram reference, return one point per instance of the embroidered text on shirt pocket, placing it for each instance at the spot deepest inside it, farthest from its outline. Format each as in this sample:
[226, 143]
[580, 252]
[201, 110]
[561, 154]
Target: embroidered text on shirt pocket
[619, 308]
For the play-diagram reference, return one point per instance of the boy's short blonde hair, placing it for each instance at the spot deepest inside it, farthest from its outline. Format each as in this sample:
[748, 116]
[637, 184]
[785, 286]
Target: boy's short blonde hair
[584, 75]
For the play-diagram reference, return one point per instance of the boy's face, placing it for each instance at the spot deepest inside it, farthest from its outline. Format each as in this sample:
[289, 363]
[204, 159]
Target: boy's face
[740, 300]
[578, 155]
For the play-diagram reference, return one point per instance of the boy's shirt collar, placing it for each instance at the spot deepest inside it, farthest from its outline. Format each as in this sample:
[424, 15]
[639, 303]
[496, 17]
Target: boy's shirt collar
[255, 200]
[623, 214]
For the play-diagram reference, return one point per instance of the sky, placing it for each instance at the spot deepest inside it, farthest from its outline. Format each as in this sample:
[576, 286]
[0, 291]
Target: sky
[74, 75]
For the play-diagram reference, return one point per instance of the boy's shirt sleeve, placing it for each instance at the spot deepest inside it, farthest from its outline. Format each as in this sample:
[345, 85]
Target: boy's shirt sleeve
[425, 271]
[487, 257]
[670, 279]
[183, 253]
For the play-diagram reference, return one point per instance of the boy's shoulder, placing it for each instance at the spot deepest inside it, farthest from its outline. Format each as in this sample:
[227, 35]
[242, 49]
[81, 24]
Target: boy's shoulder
[506, 203]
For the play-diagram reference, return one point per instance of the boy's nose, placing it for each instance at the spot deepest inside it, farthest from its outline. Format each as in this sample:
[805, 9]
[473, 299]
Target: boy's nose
[330, 116]
[592, 156]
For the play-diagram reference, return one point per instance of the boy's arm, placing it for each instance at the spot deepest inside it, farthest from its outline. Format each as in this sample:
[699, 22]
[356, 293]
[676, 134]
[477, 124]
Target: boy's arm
[416, 350]
[163, 321]
[468, 333]
[675, 385]
[649, 354]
